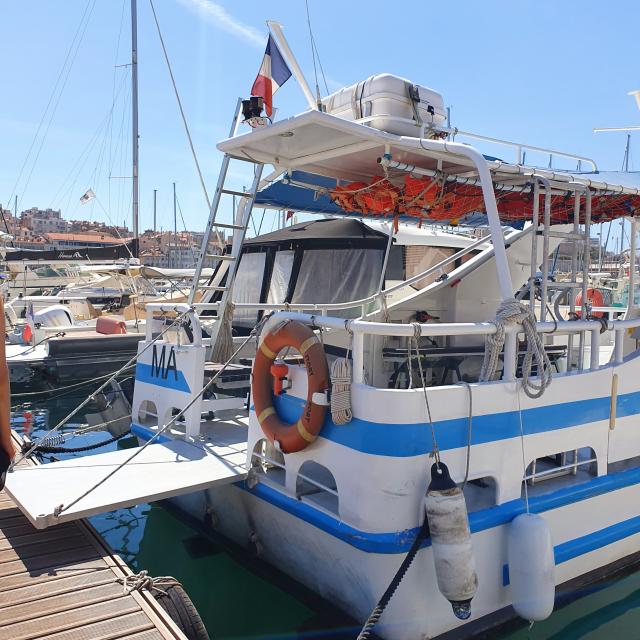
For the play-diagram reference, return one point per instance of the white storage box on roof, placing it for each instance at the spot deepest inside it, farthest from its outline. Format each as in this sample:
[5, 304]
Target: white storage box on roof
[389, 103]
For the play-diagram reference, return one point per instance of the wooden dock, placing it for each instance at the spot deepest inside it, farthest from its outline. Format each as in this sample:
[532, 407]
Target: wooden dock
[62, 584]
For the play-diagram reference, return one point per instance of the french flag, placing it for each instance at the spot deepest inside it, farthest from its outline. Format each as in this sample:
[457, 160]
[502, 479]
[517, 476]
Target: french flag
[273, 73]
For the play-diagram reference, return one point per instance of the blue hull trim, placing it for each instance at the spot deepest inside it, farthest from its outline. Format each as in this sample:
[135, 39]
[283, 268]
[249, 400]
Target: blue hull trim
[404, 440]
[590, 542]
[400, 541]
[146, 434]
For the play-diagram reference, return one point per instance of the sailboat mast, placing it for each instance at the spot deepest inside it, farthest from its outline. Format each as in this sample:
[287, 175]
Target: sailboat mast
[134, 118]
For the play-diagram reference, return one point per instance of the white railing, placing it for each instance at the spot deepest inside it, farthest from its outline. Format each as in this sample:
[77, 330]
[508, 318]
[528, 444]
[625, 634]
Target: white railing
[360, 328]
[518, 147]
[176, 308]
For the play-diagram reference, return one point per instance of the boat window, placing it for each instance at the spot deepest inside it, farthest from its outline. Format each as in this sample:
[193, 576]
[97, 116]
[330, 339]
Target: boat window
[45, 272]
[564, 464]
[247, 288]
[280, 276]
[420, 258]
[395, 263]
[266, 459]
[147, 414]
[338, 275]
[317, 484]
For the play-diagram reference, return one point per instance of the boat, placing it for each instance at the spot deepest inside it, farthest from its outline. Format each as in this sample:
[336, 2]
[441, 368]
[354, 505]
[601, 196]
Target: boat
[435, 456]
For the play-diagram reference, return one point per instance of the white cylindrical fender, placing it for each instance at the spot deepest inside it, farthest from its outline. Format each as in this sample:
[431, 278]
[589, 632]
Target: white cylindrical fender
[531, 567]
[451, 541]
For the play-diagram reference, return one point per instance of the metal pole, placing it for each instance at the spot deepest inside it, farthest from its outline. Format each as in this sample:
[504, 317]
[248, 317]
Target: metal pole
[155, 201]
[631, 302]
[276, 28]
[175, 225]
[626, 153]
[15, 216]
[134, 118]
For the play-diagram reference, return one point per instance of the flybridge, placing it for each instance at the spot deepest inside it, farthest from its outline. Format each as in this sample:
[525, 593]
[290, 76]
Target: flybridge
[358, 158]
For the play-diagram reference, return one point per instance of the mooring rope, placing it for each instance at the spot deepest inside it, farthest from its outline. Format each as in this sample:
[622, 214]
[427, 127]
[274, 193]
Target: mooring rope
[142, 580]
[395, 583]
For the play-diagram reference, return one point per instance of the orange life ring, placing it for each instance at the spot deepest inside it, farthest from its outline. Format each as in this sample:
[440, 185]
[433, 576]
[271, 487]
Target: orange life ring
[594, 298]
[297, 436]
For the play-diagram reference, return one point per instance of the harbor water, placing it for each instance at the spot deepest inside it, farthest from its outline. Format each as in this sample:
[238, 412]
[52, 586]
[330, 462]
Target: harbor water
[241, 598]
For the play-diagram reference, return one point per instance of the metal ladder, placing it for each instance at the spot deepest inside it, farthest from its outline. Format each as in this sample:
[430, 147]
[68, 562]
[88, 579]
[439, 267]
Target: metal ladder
[580, 238]
[213, 230]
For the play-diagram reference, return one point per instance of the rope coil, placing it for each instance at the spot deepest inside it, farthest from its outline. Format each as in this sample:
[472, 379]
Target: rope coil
[341, 377]
[341, 412]
[512, 312]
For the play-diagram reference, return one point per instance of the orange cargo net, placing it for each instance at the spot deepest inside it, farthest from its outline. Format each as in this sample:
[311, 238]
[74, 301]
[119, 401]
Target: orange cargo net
[430, 199]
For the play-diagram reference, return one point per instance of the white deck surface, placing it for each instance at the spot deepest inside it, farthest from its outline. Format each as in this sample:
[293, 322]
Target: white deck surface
[160, 471]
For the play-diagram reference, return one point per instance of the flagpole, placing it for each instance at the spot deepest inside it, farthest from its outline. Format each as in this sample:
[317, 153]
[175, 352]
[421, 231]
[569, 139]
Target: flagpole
[276, 28]
[134, 120]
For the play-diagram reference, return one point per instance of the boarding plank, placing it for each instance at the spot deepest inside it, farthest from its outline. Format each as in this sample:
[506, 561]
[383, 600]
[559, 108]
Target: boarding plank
[158, 471]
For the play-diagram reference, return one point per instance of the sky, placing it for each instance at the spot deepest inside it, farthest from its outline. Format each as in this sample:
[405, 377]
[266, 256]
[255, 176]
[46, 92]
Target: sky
[540, 72]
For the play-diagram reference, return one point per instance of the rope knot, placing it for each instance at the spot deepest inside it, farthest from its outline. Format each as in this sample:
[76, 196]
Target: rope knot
[142, 580]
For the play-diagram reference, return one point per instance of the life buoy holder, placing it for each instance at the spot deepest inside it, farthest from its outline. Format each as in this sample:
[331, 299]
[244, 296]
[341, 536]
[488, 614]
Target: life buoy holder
[594, 299]
[296, 436]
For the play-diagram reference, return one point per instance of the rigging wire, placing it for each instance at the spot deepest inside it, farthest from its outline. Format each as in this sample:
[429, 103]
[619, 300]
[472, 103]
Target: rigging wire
[86, 152]
[313, 54]
[57, 100]
[324, 79]
[46, 109]
[182, 114]
[113, 93]
[184, 226]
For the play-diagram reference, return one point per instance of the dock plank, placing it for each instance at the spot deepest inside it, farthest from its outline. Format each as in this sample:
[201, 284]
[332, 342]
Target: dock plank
[26, 578]
[45, 563]
[25, 535]
[66, 620]
[63, 584]
[51, 604]
[129, 626]
[34, 591]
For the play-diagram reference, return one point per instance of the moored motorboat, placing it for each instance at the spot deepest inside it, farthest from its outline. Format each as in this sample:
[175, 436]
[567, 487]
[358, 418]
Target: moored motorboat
[443, 397]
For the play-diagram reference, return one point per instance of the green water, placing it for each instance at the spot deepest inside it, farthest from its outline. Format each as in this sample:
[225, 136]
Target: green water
[241, 598]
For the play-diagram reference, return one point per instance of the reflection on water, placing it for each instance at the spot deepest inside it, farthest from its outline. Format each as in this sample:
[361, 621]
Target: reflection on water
[242, 599]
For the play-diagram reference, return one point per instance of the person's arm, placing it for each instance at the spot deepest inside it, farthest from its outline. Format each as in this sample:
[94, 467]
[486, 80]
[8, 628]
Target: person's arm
[5, 395]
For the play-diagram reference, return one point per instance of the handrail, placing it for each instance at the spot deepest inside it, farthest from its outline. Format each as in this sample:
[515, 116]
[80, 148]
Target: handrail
[454, 131]
[176, 307]
[360, 328]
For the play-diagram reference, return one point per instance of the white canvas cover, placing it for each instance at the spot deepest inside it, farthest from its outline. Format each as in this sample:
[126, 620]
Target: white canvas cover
[338, 275]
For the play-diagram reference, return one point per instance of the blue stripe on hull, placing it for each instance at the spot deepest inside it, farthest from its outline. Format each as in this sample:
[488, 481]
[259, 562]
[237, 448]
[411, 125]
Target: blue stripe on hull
[400, 541]
[403, 440]
[146, 434]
